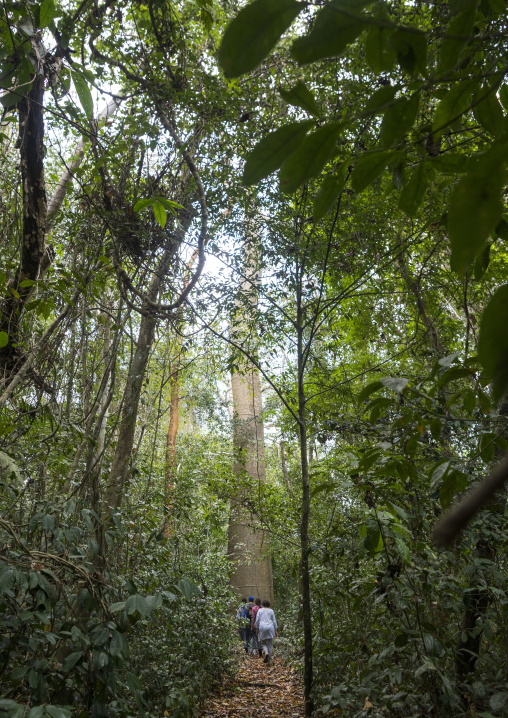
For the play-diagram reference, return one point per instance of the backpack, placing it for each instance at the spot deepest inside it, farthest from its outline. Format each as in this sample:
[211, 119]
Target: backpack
[242, 614]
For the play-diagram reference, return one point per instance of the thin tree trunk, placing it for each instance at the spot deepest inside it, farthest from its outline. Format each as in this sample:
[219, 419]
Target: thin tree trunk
[305, 516]
[174, 418]
[31, 133]
[122, 457]
[284, 466]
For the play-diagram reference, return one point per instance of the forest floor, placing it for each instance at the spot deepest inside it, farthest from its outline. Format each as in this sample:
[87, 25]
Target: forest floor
[257, 690]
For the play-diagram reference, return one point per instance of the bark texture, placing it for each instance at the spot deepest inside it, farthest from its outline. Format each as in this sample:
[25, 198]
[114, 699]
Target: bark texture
[31, 137]
[248, 546]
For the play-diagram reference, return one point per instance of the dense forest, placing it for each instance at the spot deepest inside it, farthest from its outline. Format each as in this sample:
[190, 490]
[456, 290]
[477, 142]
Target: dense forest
[253, 339]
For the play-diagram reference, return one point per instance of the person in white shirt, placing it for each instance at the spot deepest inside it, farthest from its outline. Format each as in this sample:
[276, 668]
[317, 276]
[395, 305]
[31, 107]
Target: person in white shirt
[266, 630]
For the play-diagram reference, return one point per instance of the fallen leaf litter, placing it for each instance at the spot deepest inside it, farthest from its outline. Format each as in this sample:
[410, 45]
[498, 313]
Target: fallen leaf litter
[257, 691]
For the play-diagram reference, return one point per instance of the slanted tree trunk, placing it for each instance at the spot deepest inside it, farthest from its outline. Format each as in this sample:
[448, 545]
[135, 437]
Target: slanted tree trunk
[477, 596]
[122, 457]
[248, 546]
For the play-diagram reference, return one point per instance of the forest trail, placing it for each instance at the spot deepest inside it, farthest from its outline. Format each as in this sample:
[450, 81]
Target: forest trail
[257, 691]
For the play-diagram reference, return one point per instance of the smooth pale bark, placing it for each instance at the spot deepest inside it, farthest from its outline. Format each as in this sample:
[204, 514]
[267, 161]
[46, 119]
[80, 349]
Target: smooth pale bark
[248, 546]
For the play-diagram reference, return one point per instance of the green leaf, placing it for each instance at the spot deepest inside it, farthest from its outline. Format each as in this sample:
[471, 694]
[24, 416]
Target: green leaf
[270, 152]
[160, 213]
[378, 101]
[453, 482]
[482, 262]
[4, 339]
[488, 111]
[369, 166]
[493, 341]
[117, 606]
[137, 603]
[456, 38]
[116, 644]
[84, 94]
[502, 229]
[498, 700]
[337, 25]
[476, 207]
[328, 192]
[58, 712]
[450, 163]
[11, 708]
[503, 96]
[399, 119]
[254, 32]
[188, 589]
[379, 50]
[397, 384]
[410, 44]
[401, 640]
[71, 660]
[403, 549]
[301, 96]
[368, 390]
[453, 105]
[412, 195]
[310, 157]
[47, 12]
[143, 204]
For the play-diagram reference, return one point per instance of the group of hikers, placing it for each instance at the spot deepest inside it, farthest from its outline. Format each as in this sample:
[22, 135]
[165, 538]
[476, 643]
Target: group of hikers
[257, 623]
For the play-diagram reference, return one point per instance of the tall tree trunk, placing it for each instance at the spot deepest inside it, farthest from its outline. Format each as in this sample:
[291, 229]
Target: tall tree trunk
[304, 582]
[122, 457]
[248, 546]
[31, 134]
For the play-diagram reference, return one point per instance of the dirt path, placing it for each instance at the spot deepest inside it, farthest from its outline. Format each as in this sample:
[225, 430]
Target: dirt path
[257, 691]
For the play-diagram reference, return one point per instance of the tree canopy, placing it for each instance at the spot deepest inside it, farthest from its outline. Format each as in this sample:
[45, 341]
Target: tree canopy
[305, 201]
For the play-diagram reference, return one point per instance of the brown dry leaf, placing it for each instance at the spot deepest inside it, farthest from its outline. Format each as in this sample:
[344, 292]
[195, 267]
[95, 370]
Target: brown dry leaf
[367, 705]
[257, 691]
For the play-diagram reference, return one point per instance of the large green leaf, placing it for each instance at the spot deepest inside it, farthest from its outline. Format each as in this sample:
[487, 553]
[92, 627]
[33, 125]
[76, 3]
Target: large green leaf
[310, 157]
[412, 194]
[398, 119]
[47, 12]
[493, 341]
[410, 44]
[337, 24]
[453, 105]
[270, 152]
[456, 38]
[488, 111]
[328, 192]
[254, 32]
[84, 94]
[160, 213]
[369, 166]
[379, 100]
[301, 96]
[476, 207]
[379, 49]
